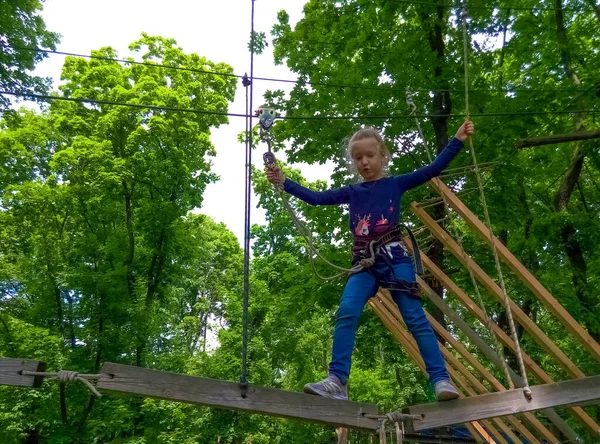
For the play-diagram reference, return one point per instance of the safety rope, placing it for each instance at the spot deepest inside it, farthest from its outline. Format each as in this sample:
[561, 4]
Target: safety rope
[65, 376]
[452, 222]
[398, 419]
[507, 300]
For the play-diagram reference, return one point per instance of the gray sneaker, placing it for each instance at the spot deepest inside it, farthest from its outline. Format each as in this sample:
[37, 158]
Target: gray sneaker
[444, 391]
[330, 387]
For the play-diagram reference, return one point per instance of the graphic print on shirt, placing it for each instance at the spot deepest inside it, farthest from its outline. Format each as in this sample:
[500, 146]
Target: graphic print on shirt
[382, 221]
[362, 227]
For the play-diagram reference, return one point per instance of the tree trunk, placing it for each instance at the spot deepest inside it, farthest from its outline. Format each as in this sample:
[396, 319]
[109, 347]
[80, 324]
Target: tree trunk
[131, 240]
[155, 270]
[568, 231]
[72, 338]
[58, 301]
[442, 106]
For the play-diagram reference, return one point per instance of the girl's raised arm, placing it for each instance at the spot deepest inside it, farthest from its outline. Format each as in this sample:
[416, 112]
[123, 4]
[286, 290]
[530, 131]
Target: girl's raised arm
[440, 163]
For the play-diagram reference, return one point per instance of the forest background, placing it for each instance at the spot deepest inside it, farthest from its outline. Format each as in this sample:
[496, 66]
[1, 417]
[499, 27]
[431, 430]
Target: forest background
[104, 255]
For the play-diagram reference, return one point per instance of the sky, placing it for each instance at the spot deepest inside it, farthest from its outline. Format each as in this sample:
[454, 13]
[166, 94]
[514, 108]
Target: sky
[218, 30]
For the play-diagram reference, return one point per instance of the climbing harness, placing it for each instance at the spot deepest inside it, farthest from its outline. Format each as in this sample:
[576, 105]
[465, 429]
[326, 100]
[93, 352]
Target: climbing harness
[380, 245]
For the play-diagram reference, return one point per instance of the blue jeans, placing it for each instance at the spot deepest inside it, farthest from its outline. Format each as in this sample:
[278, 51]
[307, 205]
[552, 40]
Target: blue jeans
[359, 289]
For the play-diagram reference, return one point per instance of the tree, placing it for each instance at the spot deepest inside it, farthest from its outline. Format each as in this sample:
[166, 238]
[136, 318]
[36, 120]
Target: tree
[96, 244]
[22, 33]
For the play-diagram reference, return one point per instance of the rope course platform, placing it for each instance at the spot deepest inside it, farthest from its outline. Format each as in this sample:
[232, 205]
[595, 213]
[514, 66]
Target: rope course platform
[169, 386]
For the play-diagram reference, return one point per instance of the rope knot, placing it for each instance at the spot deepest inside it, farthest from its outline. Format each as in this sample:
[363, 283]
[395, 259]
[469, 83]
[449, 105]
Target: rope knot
[367, 262]
[67, 376]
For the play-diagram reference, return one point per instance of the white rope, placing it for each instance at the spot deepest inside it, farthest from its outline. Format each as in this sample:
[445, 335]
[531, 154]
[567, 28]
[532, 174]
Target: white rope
[452, 222]
[65, 376]
[507, 300]
[306, 233]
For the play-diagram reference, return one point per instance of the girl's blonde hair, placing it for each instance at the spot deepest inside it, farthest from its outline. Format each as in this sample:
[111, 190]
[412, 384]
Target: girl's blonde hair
[367, 133]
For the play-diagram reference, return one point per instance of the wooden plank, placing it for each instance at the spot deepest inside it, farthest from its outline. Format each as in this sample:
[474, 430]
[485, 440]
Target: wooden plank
[522, 273]
[492, 405]
[558, 138]
[397, 327]
[521, 317]
[531, 365]
[491, 286]
[11, 372]
[224, 394]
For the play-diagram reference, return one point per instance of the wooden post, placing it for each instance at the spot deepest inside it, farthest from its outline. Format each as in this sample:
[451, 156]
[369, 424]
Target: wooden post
[522, 273]
[342, 434]
[212, 392]
[11, 372]
[558, 138]
[474, 309]
[495, 291]
[505, 403]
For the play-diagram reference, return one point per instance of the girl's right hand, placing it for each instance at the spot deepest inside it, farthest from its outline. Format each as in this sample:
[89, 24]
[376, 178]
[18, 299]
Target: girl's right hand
[275, 176]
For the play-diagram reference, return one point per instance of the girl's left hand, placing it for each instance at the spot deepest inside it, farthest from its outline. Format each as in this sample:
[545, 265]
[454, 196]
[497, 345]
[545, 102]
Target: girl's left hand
[466, 129]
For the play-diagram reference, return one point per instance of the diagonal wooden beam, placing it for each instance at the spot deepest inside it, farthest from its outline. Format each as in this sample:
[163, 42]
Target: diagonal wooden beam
[474, 309]
[496, 360]
[224, 394]
[386, 317]
[505, 403]
[522, 273]
[528, 417]
[485, 373]
[491, 286]
[11, 372]
[457, 370]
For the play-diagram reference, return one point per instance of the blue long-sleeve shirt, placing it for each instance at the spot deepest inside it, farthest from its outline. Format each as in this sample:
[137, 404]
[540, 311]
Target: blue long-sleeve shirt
[375, 205]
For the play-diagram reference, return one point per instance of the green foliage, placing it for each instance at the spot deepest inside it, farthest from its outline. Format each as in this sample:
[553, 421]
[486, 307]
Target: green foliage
[103, 259]
[22, 31]
[258, 42]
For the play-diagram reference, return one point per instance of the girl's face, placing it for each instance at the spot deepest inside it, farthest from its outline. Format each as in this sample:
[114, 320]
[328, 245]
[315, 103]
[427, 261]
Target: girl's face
[368, 158]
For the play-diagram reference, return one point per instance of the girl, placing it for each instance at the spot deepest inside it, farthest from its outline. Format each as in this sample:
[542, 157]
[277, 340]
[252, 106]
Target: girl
[375, 211]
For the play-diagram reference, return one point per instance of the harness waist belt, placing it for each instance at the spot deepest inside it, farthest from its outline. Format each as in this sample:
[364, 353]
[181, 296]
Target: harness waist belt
[393, 235]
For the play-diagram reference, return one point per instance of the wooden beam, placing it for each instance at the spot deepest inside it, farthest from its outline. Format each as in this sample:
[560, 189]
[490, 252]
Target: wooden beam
[495, 359]
[522, 273]
[404, 340]
[505, 403]
[491, 286]
[456, 369]
[11, 372]
[474, 309]
[224, 394]
[558, 138]
[486, 375]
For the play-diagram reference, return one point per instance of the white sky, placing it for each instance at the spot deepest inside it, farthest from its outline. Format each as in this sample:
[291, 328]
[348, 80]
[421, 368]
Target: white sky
[218, 30]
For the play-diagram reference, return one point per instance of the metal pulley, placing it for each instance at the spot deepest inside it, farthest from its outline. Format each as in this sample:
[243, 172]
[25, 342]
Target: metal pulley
[266, 118]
